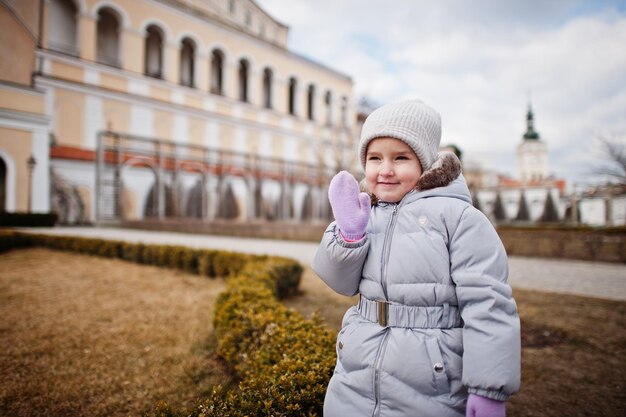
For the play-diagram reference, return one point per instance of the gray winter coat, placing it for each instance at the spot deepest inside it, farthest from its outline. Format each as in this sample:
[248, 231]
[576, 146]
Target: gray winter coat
[452, 324]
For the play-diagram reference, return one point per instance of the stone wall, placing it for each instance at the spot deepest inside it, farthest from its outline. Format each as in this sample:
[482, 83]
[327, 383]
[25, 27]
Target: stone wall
[586, 244]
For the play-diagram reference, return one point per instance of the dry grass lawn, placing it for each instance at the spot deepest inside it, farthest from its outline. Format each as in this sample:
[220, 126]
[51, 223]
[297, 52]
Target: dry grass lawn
[85, 336]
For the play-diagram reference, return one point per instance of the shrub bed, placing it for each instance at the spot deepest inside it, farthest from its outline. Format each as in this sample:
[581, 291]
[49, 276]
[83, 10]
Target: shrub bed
[283, 361]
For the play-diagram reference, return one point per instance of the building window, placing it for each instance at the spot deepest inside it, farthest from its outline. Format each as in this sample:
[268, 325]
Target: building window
[244, 69]
[311, 102]
[248, 18]
[108, 35]
[293, 86]
[344, 111]
[153, 64]
[187, 58]
[62, 16]
[328, 101]
[267, 88]
[217, 72]
[231, 6]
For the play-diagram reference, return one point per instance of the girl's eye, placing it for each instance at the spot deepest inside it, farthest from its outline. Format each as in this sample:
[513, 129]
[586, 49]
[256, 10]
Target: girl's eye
[402, 158]
[372, 158]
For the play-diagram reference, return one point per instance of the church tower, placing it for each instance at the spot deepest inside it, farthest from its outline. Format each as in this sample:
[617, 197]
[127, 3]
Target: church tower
[532, 154]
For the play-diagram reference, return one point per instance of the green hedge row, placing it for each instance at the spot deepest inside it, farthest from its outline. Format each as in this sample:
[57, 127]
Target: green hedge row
[27, 219]
[283, 361]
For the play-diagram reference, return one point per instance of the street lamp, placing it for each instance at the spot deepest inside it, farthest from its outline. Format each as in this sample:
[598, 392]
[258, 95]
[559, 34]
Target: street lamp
[31, 166]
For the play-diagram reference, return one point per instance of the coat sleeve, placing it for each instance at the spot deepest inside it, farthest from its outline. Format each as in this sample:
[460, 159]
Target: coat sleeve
[491, 332]
[340, 263]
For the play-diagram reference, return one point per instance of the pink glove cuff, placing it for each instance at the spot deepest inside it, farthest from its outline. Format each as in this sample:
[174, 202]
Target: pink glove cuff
[352, 238]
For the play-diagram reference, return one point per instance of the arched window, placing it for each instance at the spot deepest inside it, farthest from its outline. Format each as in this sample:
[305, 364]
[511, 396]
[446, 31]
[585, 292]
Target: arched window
[344, 111]
[311, 102]
[108, 36]
[293, 86]
[244, 69]
[217, 72]
[267, 88]
[328, 101]
[187, 58]
[62, 16]
[3, 185]
[153, 65]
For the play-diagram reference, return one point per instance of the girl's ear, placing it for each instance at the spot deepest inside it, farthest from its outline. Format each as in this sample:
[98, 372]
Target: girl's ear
[446, 169]
[364, 189]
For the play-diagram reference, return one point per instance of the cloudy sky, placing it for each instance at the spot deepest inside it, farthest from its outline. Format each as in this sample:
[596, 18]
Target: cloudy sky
[478, 62]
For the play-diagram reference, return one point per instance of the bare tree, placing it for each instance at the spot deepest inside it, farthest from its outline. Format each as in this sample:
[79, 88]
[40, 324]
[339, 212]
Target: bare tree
[613, 154]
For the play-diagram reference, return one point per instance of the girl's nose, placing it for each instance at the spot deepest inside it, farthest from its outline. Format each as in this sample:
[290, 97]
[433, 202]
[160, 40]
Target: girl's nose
[386, 169]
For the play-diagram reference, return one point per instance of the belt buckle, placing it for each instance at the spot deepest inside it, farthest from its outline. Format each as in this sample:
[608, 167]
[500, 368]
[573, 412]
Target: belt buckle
[383, 312]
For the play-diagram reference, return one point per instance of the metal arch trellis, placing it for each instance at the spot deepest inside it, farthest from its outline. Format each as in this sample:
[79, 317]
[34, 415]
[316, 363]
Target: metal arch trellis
[166, 158]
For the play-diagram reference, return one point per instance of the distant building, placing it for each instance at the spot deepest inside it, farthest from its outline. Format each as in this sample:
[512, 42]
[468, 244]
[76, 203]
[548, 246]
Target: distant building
[180, 103]
[532, 154]
[532, 197]
[537, 197]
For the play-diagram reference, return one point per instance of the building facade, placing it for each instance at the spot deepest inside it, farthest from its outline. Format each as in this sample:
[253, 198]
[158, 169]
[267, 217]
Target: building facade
[177, 91]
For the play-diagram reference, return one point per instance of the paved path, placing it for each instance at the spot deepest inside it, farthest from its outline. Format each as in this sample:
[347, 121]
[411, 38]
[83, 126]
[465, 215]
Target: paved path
[596, 279]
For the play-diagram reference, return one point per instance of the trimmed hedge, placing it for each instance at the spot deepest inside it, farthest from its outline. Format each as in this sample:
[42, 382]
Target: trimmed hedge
[27, 219]
[283, 361]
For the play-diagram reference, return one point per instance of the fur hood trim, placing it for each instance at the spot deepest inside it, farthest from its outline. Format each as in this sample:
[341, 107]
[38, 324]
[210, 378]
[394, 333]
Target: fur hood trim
[443, 171]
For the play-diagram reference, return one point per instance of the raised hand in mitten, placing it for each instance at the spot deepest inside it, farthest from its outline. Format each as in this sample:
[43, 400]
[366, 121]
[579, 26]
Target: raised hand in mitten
[478, 406]
[350, 208]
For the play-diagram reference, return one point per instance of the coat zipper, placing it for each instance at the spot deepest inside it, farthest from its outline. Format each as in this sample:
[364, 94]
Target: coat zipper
[386, 250]
[377, 364]
[383, 281]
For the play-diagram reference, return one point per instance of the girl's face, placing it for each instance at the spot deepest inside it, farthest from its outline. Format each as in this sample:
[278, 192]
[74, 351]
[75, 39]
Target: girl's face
[391, 169]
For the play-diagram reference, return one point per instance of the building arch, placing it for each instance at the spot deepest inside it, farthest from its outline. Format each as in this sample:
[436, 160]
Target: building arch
[121, 13]
[217, 71]
[128, 197]
[344, 111]
[167, 32]
[187, 62]
[108, 36]
[243, 77]
[154, 51]
[328, 103]
[63, 20]
[292, 94]
[310, 99]
[8, 184]
[267, 87]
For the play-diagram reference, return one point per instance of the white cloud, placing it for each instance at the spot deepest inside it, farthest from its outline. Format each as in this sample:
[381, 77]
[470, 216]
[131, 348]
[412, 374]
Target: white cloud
[476, 62]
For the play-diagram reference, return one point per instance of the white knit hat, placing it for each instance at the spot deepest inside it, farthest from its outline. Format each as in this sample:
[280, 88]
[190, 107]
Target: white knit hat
[412, 122]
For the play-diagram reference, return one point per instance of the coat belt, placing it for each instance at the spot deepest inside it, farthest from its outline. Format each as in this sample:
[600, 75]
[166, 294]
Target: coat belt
[389, 314]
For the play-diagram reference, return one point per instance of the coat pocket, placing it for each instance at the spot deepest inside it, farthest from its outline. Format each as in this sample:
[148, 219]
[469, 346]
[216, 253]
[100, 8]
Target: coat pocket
[438, 366]
[357, 343]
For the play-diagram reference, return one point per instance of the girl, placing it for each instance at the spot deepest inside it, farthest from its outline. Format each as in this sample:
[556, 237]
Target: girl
[436, 331]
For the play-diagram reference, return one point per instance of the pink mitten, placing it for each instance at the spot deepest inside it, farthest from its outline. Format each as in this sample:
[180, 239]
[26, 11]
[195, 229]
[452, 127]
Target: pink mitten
[350, 208]
[478, 406]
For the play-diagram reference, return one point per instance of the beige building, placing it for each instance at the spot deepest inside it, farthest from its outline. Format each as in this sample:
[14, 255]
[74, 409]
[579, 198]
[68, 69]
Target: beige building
[186, 89]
